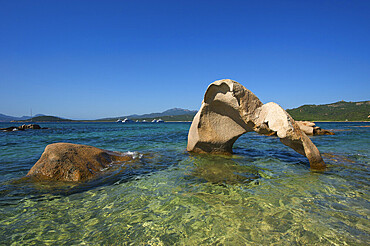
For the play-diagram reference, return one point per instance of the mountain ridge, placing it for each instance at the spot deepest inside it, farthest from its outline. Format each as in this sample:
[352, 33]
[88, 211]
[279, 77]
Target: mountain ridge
[338, 111]
[168, 112]
[8, 118]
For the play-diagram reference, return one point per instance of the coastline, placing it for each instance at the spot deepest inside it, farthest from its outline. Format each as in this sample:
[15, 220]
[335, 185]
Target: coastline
[86, 121]
[97, 121]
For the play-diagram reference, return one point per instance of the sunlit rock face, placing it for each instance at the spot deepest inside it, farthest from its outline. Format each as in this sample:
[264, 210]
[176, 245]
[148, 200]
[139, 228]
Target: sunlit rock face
[74, 162]
[230, 110]
[310, 128]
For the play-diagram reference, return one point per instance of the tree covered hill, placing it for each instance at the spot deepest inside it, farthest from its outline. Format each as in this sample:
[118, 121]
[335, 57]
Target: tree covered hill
[46, 118]
[339, 111]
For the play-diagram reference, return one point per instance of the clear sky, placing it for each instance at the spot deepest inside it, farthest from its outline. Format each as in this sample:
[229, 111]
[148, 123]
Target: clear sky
[86, 59]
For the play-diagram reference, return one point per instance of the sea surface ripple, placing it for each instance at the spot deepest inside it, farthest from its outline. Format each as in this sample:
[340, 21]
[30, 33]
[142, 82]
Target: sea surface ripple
[263, 194]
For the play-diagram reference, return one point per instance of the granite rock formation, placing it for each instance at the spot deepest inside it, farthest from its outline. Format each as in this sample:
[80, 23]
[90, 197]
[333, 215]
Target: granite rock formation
[230, 110]
[30, 126]
[310, 128]
[74, 162]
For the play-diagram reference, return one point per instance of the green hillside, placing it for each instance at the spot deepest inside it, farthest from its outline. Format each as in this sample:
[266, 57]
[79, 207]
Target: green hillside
[339, 111]
[46, 118]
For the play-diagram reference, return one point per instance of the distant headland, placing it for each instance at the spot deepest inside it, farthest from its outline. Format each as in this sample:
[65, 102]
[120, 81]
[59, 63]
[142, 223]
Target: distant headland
[339, 111]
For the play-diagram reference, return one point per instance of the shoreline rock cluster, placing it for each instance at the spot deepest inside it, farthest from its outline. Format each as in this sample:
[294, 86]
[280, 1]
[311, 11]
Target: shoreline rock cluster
[310, 129]
[22, 128]
[229, 110]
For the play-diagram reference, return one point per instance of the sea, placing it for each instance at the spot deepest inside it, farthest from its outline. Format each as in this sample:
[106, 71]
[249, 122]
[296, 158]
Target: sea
[262, 194]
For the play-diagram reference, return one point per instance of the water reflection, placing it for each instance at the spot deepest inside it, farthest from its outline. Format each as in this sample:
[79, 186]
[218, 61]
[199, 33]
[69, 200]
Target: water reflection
[12, 191]
[221, 170]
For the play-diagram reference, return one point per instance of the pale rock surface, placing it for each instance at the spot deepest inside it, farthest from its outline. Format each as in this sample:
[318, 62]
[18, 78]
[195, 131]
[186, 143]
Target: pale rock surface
[230, 110]
[310, 128]
[306, 127]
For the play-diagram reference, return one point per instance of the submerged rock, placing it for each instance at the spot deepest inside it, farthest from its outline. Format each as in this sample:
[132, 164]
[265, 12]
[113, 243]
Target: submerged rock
[74, 162]
[310, 128]
[230, 110]
[221, 171]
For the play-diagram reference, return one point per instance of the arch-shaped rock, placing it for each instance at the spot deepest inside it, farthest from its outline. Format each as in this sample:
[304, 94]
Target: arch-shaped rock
[229, 110]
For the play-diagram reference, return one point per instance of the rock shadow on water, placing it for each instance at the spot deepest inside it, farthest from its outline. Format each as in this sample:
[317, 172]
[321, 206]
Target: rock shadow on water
[239, 168]
[29, 187]
[257, 147]
[221, 170]
[354, 167]
[14, 191]
[286, 156]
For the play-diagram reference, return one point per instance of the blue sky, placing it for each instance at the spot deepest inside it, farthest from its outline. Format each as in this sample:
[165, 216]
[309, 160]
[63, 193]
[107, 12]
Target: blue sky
[93, 59]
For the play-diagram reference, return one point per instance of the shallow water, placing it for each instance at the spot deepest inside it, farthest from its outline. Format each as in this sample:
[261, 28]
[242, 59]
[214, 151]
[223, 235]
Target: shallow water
[264, 194]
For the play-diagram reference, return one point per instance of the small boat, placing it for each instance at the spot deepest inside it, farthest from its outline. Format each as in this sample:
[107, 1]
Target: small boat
[126, 120]
[157, 121]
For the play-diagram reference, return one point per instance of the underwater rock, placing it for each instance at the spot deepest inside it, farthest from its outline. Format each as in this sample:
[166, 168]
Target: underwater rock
[223, 171]
[230, 110]
[310, 128]
[74, 162]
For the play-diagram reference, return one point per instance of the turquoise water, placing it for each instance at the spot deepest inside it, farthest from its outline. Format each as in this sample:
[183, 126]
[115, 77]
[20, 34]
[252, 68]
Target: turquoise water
[264, 194]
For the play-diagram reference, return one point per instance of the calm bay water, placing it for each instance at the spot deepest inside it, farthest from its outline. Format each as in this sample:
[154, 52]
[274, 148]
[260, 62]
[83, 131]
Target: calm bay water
[264, 194]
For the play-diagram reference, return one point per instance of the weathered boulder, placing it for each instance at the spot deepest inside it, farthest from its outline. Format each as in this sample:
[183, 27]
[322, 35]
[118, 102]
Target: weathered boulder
[318, 131]
[33, 126]
[74, 162]
[310, 128]
[22, 127]
[306, 127]
[230, 110]
[30, 126]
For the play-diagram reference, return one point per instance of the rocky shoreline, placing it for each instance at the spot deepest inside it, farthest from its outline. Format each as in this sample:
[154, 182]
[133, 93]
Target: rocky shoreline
[228, 111]
[22, 128]
[310, 129]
